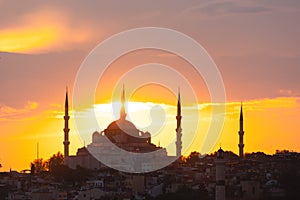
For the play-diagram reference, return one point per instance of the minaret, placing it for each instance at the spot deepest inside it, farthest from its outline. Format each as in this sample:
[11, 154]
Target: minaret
[241, 134]
[220, 175]
[122, 110]
[66, 129]
[178, 129]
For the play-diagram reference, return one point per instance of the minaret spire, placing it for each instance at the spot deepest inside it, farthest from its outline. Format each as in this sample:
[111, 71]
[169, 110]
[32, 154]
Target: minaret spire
[241, 134]
[122, 110]
[241, 113]
[66, 102]
[66, 128]
[178, 128]
[178, 104]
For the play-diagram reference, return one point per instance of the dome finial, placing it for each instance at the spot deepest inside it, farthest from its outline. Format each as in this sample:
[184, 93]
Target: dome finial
[122, 110]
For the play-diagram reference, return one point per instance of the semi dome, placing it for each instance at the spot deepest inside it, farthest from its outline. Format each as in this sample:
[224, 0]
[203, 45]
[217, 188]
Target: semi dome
[95, 137]
[147, 134]
[96, 133]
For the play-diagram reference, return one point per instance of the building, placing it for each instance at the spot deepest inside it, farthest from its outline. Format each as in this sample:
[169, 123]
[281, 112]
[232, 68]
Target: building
[178, 129]
[220, 175]
[241, 134]
[66, 128]
[124, 135]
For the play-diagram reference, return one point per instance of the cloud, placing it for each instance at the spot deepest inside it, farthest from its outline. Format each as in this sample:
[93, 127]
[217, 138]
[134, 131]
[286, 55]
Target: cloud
[227, 7]
[288, 92]
[10, 113]
[280, 102]
[233, 108]
[141, 110]
[41, 31]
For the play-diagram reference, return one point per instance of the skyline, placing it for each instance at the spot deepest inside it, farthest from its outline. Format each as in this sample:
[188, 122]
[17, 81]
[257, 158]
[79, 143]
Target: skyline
[140, 116]
[43, 45]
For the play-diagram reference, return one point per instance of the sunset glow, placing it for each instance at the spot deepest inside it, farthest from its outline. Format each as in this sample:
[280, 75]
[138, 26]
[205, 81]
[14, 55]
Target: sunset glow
[40, 32]
[43, 46]
[48, 127]
[27, 40]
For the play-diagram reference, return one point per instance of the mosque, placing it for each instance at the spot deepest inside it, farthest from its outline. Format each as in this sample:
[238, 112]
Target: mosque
[126, 139]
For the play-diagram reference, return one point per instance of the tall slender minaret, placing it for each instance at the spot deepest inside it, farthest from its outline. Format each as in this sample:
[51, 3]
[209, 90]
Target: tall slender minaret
[241, 134]
[66, 129]
[122, 110]
[178, 129]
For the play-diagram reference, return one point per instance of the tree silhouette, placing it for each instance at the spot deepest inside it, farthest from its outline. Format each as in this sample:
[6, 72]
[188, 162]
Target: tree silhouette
[193, 158]
[39, 165]
[54, 161]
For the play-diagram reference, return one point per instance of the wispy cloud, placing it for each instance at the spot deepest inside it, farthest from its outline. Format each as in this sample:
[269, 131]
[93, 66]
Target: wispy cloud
[233, 108]
[228, 7]
[41, 31]
[288, 92]
[10, 113]
[111, 111]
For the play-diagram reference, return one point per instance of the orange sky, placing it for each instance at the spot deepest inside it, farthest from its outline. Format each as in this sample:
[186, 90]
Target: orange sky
[269, 125]
[43, 45]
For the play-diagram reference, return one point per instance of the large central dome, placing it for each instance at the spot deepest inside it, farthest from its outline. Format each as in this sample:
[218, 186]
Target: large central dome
[123, 131]
[122, 125]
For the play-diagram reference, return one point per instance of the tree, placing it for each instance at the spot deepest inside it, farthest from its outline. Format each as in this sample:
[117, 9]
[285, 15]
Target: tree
[39, 165]
[193, 158]
[54, 161]
[257, 156]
